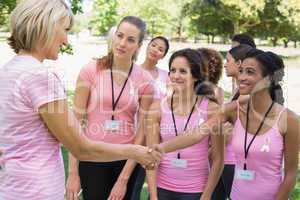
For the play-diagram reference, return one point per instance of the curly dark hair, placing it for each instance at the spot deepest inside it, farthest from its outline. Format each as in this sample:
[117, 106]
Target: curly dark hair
[213, 61]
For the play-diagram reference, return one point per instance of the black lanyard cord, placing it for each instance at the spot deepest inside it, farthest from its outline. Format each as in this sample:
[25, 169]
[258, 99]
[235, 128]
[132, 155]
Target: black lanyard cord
[246, 149]
[186, 124]
[115, 103]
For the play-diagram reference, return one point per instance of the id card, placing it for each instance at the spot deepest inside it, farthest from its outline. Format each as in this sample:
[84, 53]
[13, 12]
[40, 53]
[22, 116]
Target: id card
[246, 175]
[112, 125]
[179, 163]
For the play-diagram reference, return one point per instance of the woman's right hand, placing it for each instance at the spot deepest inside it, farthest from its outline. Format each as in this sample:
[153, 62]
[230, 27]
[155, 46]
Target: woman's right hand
[147, 157]
[73, 187]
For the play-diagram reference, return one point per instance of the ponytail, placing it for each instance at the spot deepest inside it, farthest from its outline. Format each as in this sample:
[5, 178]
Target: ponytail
[205, 88]
[276, 93]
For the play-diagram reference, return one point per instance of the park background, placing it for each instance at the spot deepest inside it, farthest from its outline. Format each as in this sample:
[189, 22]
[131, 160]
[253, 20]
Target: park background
[275, 25]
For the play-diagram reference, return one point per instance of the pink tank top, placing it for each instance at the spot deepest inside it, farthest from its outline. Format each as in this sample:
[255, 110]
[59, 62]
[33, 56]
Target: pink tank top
[193, 178]
[229, 157]
[265, 158]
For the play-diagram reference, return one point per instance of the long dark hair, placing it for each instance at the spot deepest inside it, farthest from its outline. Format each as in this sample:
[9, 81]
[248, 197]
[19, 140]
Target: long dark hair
[107, 61]
[198, 71]
[272, 65]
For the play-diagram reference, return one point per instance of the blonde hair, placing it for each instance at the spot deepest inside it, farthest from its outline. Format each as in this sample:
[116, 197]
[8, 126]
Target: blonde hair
[34, 22]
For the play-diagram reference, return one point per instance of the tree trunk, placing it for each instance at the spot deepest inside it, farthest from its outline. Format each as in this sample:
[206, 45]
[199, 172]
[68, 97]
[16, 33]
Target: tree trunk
[213, 39]
[208, 39]
[295, 43]
[274, 41]
[285, 42]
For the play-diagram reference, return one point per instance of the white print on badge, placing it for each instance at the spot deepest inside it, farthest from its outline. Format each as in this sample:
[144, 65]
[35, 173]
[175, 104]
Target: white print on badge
[201, 120]
[266, 146]
[131, 91]
[112, 125]
[179, 163]
[246, 175]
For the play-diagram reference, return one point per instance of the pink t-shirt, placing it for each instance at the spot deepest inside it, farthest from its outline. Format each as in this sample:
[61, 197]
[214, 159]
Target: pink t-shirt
[264, 158]
[99, 107]
[160, 84]
[193, 178]
[31, 165]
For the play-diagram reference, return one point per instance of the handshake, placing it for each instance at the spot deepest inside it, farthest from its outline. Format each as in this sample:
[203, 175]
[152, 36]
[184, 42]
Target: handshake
[148, 157]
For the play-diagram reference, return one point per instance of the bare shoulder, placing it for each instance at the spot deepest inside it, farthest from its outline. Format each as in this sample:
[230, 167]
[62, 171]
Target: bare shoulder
[288, 121]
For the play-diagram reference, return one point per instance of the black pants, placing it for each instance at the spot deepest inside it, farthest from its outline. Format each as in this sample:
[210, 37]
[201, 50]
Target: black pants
[223, 188]
[98, 179]
[138, 185]
[163, 194]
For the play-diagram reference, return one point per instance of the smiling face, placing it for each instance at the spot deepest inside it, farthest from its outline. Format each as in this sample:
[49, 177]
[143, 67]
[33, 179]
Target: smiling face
[60, 39]
[231, 66]
[250, 79]
[126, 40]
[180, 75]
[156, 50]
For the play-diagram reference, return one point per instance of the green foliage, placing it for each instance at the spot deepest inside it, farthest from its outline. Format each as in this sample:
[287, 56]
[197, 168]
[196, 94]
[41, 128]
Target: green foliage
[104, 16]
[209, 17]
[162, 17]
[6, 6]
[76, 6]
[68, 49]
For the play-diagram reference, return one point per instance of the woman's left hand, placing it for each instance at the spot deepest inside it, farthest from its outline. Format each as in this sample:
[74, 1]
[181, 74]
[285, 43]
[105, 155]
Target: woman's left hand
[118, 191]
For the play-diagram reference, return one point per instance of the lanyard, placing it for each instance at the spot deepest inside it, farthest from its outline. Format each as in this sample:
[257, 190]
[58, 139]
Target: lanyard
[246, 149]
[174, 122]
[115, 103]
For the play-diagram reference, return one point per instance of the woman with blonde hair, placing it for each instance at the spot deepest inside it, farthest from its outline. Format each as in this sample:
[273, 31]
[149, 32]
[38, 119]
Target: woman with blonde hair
[34, 114]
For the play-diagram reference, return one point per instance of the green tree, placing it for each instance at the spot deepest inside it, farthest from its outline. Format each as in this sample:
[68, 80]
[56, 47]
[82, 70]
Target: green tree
[208, 17]
[291, 9]
[6, 6]
[243, 14]
[153, 12]
[104, 16]
[273, 24]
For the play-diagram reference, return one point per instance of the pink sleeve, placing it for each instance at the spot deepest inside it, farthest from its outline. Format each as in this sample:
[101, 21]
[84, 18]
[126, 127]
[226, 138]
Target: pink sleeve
[42, 88]
[88, 72]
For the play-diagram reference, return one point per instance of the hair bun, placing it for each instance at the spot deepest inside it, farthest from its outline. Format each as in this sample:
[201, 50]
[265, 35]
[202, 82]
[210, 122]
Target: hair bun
[204, 88]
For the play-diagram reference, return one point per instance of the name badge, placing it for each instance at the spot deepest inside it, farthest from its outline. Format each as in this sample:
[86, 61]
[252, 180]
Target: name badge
[179, 163]
[112, 125]
[246, 175]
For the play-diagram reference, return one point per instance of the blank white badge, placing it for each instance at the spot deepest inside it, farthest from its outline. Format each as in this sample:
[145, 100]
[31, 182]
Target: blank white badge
[247, 175]
[179, 163]
[112, 125]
